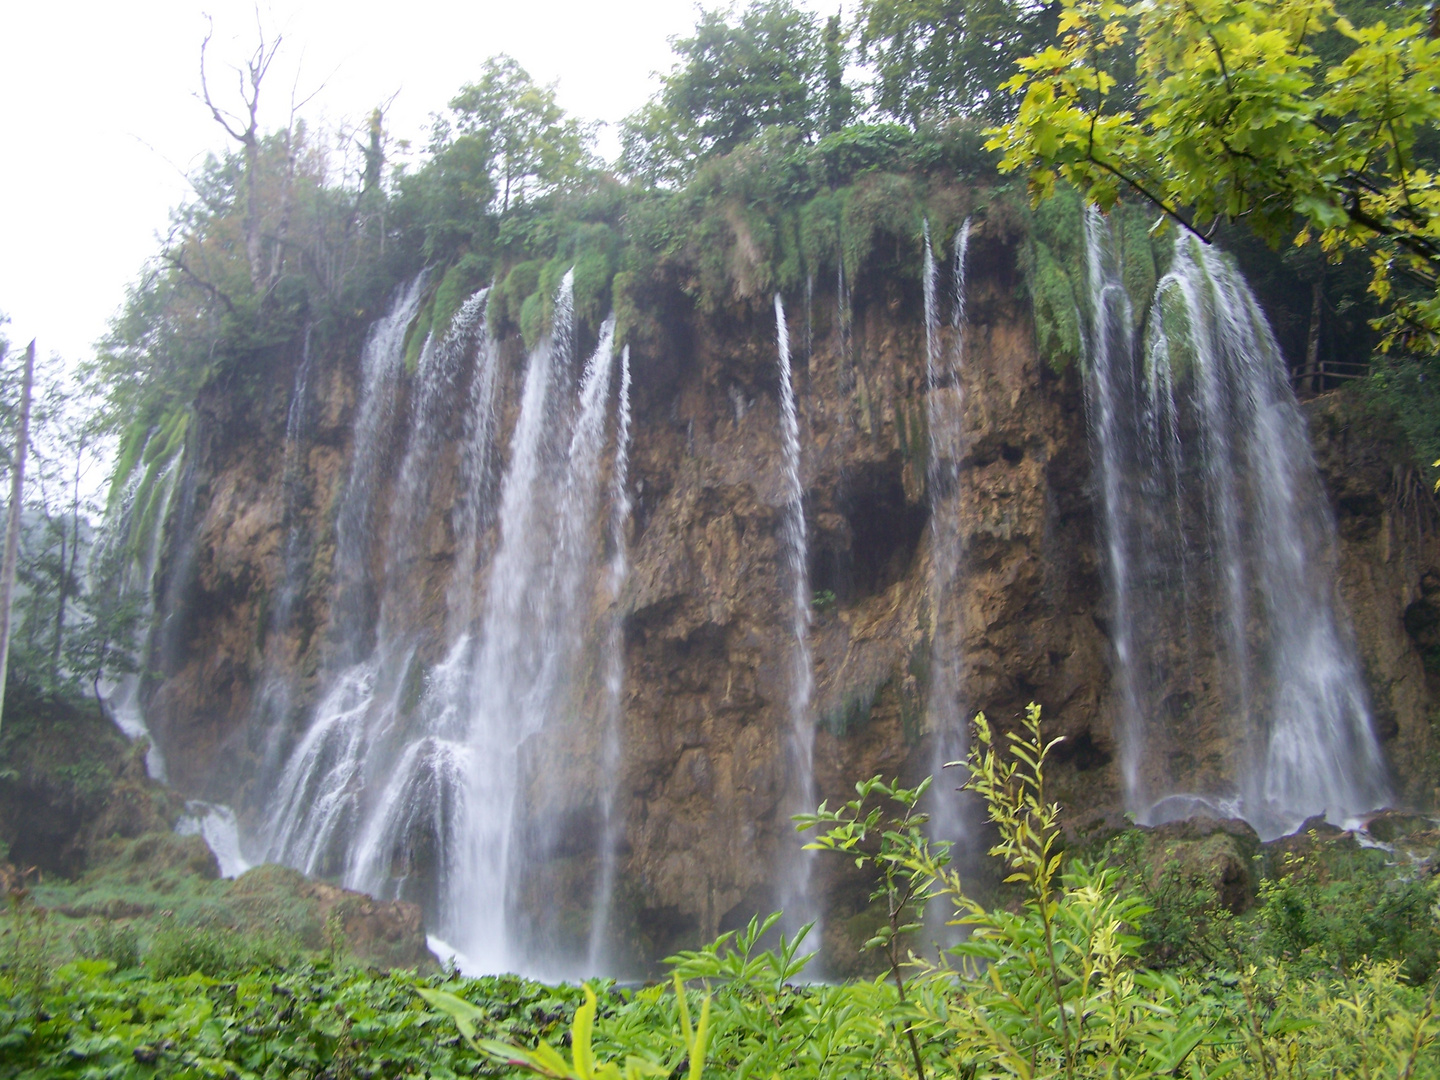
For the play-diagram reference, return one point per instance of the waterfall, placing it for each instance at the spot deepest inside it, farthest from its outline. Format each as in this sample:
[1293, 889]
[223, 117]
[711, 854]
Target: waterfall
[422, 784]
[382, 364]
[137, 536]
[216, 825]
[1111, 382]
[525, 671]
[275, 693]
[473, 515]
[796, 900]
[613, 664]
[315, 801]
[297, 421]
[1221, 550]
[945, 414]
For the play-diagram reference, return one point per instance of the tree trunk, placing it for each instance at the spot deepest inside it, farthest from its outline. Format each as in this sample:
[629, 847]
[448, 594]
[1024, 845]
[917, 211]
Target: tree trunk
[67, 569]
[1312, 378]
[252, 208]
[12, 525]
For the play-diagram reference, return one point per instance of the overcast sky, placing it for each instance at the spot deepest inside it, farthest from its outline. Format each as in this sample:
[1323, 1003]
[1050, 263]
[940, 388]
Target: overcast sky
[99, 123]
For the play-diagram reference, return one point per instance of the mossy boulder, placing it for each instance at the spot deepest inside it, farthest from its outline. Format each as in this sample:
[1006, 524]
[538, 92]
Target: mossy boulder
[1218, 854]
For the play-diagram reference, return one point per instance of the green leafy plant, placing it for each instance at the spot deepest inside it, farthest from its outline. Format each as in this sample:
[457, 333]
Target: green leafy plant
[116, 942]
[906, 865]
[546, 1061]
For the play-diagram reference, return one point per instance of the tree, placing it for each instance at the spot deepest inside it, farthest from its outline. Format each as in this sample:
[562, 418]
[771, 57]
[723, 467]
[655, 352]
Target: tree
[1281, 114]
[936, 58]
[771, 68]
[13, 515]
[840, 105]
[532, 146]
[243, 126]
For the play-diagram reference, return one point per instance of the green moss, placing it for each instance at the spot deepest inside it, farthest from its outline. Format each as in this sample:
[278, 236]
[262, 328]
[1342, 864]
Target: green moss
[854, 709]
[791, 268]
[522, 281]
[1137, 256]
[820, 228]
[1174, 325]
[151, 501]
[1053, 261]
[1056, 306]
[533, 319]
[417, 335]
[458, 285]
[882, 205]
[593, 272]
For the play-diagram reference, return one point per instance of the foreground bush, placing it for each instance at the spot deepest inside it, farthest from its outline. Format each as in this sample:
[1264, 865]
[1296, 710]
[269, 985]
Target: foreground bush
[1053, 986]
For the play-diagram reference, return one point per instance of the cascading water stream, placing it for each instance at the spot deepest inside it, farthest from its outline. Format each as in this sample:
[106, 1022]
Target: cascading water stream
[1110, 384]
[525, 671]
[1204, 459]
[275, 694]
[316, 798]
[613, 663]
[421, 762]
[473, 515]
[122, 698]
[796, 899]
[945, 417]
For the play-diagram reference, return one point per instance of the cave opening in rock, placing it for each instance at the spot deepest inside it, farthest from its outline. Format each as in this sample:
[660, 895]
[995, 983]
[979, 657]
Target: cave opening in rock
[876, 545]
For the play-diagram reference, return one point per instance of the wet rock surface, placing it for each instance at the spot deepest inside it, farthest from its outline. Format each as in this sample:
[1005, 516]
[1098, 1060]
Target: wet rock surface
[706, 628]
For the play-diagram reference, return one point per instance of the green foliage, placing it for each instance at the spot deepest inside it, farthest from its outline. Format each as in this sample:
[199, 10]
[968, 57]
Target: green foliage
[1053, 257]
[942, 57]
[311, 1021]
[522, 281]
[1054, 985]
[533, 145]
[772, 68]
[1286, 116]
[216, 952]
[117, 943]
[1184, 923]
[1409, 391]
[1369, 914]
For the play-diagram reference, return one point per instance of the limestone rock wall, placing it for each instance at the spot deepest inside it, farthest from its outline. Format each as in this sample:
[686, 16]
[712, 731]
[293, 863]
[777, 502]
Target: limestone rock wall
[706, 627]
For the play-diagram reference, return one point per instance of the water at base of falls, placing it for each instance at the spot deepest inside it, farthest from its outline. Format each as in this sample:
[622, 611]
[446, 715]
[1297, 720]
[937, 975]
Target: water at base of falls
[1221, 553]
[216, 825]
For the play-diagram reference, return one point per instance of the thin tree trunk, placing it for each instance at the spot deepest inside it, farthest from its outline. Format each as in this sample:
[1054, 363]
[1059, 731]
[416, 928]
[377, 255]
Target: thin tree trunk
[1313, 380]
[12, 525]
[67, 570]
[59, 602]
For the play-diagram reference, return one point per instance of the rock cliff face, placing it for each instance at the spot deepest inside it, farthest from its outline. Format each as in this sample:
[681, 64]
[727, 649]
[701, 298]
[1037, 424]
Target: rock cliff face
[706, 623]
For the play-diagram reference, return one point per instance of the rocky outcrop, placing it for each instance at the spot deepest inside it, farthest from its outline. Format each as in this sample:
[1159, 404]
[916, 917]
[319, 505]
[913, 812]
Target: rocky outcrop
[70, 784]
[706, 627]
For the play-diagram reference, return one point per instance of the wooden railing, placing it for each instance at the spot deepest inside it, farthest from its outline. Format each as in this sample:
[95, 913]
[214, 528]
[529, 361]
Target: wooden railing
[1327, 375]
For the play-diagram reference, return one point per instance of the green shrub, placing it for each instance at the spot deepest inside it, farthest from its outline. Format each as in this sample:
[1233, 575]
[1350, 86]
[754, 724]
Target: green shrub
[1373, 914]
[214, 951]
[117, 942]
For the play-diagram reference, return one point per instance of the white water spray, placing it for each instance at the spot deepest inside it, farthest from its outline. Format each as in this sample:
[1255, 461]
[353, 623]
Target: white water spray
[613, 662]
[945, 415]
[796, 899]
[1222, 549]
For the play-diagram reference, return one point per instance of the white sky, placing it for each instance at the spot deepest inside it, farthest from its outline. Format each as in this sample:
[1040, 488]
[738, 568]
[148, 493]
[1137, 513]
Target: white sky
[98, 123]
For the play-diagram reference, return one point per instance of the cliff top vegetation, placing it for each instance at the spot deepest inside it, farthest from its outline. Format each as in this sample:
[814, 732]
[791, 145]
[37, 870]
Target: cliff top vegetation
[766, 160]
